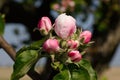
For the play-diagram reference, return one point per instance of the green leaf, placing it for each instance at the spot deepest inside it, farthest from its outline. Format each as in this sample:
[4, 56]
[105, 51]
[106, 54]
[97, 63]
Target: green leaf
[80, 74]
[86, 65]
[2, 24]
[63, 75]
[23, 63]
[26, 48]
[72, 72]
[77, 72]
[38, 43]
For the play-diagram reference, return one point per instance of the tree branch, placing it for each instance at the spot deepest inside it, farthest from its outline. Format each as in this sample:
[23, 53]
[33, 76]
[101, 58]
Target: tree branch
[8, 48]
[12, 53]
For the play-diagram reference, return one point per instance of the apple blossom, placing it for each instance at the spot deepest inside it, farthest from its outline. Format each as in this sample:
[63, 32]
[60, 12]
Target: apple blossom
[65, 26]
[56, 6]
[75, 56]
[86, 35]
[73, 44]
[44, 25]
[51, 45]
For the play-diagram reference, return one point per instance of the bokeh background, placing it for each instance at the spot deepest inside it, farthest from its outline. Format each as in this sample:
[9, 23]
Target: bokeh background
[101, 17]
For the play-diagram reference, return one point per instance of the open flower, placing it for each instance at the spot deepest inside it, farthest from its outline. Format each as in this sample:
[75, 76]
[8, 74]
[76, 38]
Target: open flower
[75, 56]
[51, 45]
[44, 25]
[65, 26]
[86, 35]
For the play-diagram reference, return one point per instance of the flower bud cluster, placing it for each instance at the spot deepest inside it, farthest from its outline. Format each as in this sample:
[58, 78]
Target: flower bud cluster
[64, 5]
[67, 40]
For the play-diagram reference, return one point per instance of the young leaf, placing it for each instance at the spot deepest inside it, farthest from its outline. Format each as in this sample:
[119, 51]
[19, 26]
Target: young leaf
[86, 65]
[23, 63]
[2, 24]
[72, 72]
[77, 72]
[63, 75]
[26, 48]
[38, 43]
[80, 74]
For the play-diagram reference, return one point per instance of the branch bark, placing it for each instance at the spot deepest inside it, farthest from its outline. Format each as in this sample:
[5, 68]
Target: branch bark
[12, 53]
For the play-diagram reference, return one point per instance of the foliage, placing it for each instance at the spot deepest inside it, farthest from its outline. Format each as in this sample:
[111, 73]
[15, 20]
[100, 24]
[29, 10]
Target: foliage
[104, 14]
[24, 61]
[65, 59]
[2, 23]
[81, 70]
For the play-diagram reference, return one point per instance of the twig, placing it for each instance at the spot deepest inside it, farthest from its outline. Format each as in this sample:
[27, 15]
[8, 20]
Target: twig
[8, 48]
[12, 53]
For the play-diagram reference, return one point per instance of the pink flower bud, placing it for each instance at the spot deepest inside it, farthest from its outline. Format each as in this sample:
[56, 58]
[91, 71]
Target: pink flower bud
[86, 35]
[73, 44]
[65, 3]
[65, 26]
[51, 45]
[56, 6]
[75, 56]
[44, 25]
[72, 4]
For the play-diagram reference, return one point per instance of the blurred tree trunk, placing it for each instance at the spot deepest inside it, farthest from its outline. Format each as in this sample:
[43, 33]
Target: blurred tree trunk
[102, 52]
